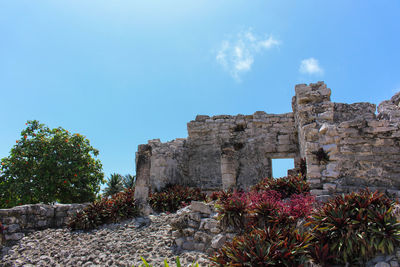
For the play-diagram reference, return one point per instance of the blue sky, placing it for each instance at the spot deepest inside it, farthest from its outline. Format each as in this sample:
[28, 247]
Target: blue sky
[121, 72]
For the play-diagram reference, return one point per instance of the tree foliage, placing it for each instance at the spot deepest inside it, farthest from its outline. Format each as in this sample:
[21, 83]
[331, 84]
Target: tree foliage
[129, 181]
[49, 165]
[114, 185]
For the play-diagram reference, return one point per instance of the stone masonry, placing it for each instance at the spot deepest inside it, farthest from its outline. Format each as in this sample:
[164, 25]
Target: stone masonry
[345, 146]
[21, 220]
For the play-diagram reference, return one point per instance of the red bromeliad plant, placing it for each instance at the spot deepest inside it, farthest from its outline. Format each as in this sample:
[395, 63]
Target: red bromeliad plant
[267, 210]
[286, 186]
[108, 210]
[261, 208]
[272, 246]
[233, 210]
[174, 197]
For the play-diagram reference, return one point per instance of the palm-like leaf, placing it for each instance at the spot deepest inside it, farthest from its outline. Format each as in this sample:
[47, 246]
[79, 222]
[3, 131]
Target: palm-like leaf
[113, 185]
[129, 181]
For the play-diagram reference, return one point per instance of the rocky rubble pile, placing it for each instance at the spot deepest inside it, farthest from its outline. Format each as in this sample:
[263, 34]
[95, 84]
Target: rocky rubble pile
[112, 245]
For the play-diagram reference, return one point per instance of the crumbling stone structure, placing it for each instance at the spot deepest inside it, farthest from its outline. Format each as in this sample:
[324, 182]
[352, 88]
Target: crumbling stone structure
[345, 147]
[25, 219]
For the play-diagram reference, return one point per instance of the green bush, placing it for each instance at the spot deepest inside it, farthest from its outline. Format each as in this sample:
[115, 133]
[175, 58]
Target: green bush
[108, 210]
[174, 197]
[49, 165]
[355, 227]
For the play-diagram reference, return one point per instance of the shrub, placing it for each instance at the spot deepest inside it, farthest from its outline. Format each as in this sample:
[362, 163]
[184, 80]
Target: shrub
[286, 186]
[49, 165]
[355, 227]
[120, 206]
[233, 210]
[174, 197]
[272, 246]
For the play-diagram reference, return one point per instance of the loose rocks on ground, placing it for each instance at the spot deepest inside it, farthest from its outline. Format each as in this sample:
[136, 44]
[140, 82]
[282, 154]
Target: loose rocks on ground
[113, 245]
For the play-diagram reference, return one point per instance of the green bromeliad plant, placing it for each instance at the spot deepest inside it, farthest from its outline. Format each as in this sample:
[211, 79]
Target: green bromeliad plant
[354, 228]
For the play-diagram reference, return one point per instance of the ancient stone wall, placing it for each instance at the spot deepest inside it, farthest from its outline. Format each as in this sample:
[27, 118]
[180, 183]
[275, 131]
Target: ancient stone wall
[362, 149]
[27, 218]
[346, 146]
[221, 152]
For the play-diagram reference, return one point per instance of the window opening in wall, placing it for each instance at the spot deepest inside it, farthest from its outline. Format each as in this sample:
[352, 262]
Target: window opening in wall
[280, 167]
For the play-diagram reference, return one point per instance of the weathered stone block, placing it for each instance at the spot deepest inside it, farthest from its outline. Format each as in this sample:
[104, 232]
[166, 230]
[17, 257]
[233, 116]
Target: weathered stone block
[188, 245]
[14, 236]
[202, 207]
[12, 228]
[196, 216]
[193, 224]
[218, 241]
[188, 231]
[199, 246]
[202, 237]
[179, 241]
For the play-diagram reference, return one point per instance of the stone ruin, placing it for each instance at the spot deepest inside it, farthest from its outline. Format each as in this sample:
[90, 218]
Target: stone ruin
[345, 147]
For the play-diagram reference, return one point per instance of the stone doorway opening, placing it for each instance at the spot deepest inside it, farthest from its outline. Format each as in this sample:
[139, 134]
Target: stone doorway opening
[280, 167]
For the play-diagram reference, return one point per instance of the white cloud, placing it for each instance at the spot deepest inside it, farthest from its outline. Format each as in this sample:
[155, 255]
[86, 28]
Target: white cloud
[310, 66]
[237, 54]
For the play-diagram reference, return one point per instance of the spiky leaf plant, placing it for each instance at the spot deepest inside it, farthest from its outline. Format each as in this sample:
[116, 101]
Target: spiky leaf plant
[356, 227]
[129, 181]
[113, 185]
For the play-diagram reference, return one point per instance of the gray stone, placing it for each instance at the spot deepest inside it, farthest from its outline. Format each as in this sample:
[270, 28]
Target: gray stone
[382, 264]
[218, 241]
[195, 216]
[188, 245]
[202, 237]
[198, 206]
[14, 236]
[179, 241]
[199, 246]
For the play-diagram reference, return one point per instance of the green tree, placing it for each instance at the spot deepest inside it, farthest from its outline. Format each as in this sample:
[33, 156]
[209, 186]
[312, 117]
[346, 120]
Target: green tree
[129, 181]
[113, 185]
[49, 165]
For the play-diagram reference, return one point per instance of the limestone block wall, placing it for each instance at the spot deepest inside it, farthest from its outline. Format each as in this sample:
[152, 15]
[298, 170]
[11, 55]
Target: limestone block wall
[220, 152]
[27, 218]
[236, 151]
[362, 148]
